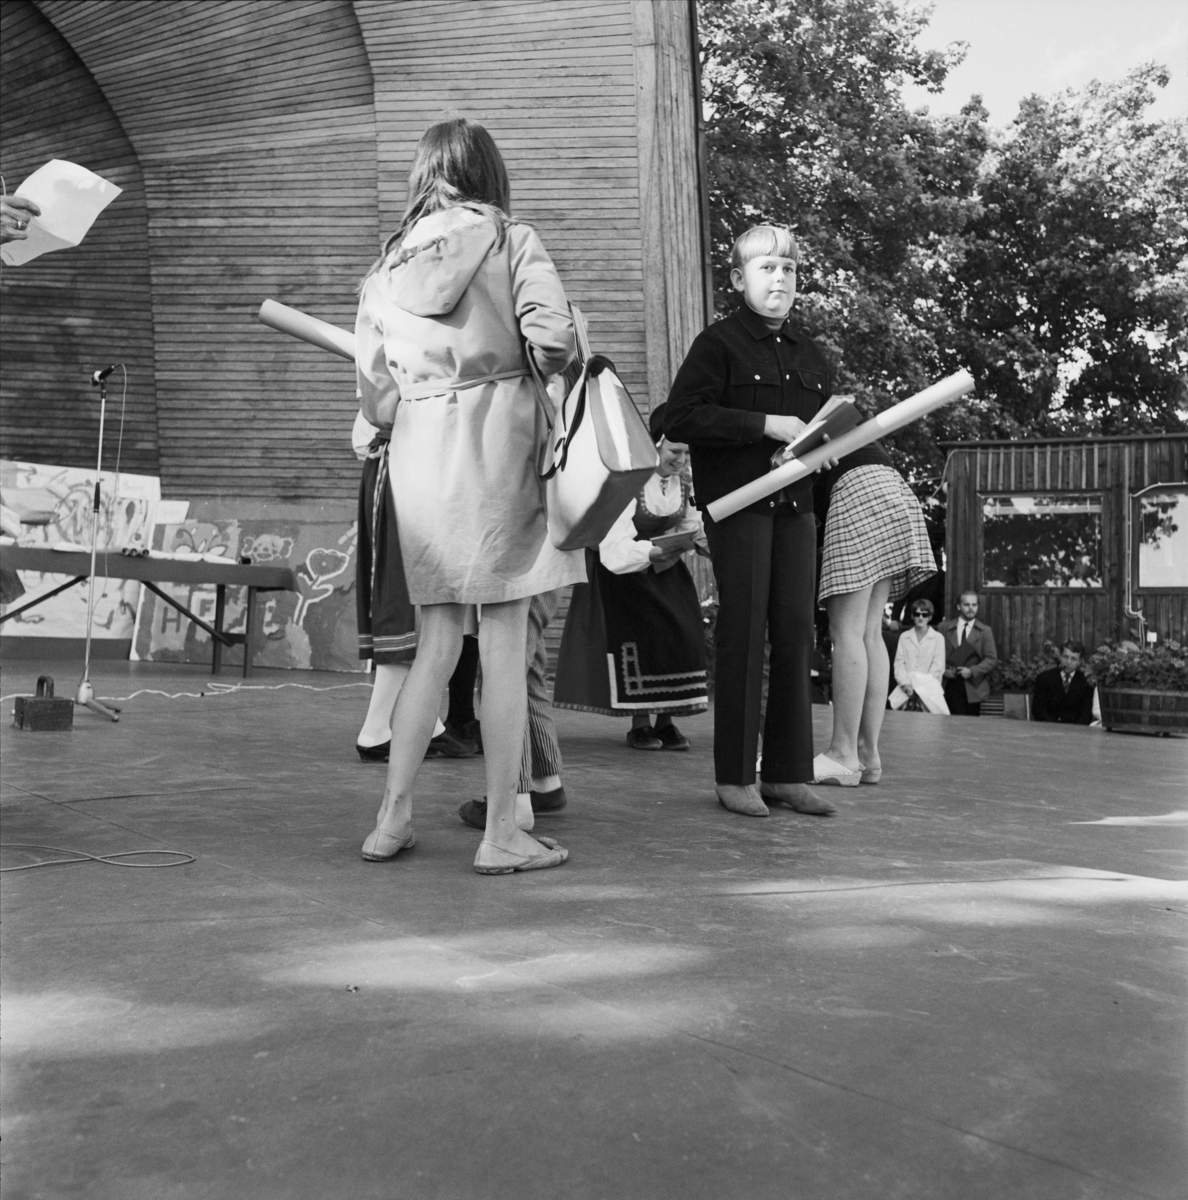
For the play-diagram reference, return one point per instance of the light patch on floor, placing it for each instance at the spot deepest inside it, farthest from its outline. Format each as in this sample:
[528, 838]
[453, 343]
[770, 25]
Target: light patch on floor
[1180, 817]
[93, 1024]
[418, 965]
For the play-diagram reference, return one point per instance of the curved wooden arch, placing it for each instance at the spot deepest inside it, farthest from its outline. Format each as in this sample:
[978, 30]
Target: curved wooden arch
[273, 138]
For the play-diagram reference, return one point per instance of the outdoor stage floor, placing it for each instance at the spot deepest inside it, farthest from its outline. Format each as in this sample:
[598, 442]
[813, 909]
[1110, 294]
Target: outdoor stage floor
[959, 988]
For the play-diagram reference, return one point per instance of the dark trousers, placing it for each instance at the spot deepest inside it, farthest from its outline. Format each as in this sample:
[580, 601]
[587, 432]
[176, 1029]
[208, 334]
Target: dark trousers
[958, 700]
[765, 566]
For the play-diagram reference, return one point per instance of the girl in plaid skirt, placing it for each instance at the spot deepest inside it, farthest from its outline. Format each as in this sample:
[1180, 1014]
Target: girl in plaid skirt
[876, 550]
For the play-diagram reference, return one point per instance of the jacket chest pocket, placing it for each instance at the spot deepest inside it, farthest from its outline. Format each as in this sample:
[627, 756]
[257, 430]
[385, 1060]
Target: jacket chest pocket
[813, 381]
[759, 392]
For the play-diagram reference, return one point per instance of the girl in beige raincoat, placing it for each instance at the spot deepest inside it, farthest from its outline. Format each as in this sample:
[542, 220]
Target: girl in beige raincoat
[447, 318]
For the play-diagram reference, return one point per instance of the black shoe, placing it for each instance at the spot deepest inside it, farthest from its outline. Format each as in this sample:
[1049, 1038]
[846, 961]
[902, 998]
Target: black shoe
[643, 737]
[472, 731]
[375, 753]
[672, 737]
[549, 802]
[449, 745]
[474, 814]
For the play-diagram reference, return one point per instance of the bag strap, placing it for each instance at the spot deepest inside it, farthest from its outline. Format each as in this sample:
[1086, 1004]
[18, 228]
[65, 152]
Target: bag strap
[582, 333]
[560, 450]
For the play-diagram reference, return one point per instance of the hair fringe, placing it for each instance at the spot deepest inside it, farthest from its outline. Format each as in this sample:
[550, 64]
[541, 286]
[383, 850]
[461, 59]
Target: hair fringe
[764, 239]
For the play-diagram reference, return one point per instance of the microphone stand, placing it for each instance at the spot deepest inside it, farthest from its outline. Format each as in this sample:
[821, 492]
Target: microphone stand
[86, 693]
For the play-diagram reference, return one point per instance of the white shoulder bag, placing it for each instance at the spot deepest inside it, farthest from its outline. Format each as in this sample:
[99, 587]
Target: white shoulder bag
[602, 452]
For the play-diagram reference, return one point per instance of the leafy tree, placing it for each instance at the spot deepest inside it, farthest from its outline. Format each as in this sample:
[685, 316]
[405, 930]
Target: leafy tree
[1048, 260]
[1070, 294]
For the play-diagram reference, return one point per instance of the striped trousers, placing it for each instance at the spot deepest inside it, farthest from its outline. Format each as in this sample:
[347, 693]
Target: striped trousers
[542, 754]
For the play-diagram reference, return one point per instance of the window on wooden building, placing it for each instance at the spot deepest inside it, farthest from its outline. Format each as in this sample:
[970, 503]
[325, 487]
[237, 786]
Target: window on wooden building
[1163, 537]
[1048, 539]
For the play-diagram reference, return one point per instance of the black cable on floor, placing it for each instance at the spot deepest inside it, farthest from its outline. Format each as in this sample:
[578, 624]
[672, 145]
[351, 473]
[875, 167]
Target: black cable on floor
[83, 856]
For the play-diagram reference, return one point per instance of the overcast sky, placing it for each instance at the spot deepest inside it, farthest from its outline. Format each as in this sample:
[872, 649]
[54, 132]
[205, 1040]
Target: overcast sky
[1020, 47]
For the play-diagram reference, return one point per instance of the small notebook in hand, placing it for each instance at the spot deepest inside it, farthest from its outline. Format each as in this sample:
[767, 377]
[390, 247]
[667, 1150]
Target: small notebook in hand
[675, 541]
[835, 417]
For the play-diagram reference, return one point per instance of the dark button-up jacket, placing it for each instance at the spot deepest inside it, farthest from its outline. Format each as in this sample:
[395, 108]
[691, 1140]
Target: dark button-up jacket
[1051, 702]
[737, 372]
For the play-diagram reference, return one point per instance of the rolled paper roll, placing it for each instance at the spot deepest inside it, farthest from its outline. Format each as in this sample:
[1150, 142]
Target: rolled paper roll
[309, 329]
[893, 418]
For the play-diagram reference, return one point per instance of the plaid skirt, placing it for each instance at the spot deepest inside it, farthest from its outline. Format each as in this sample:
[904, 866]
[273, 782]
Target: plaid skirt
[874, 530]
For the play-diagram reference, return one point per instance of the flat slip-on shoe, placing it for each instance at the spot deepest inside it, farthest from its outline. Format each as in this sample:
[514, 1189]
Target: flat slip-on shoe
[872, 774]
[381, 846]
[643, 737]
[671, 738]
[741, 798]
[801, 801]
[474, 814]
[378, 753]
[494, 860]
[448, 744]
[548, 802]
[825, 770]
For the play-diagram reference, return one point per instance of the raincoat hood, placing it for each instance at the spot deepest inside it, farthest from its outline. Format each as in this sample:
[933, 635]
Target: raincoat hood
[431, 270]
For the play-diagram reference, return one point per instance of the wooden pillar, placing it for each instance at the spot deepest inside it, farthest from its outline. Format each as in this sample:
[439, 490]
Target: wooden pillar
[669, 186]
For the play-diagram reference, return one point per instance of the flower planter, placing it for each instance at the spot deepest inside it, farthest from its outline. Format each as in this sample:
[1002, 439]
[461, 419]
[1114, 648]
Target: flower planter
[1016, 706]
[1142, 710]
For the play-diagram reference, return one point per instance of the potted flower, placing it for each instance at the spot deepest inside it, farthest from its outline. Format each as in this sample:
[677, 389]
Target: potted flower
[1017, 678]
[1142, 690]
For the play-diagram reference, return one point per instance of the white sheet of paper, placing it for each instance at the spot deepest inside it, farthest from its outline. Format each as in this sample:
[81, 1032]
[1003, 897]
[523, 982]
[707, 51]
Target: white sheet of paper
[70, 198]
[172, 512]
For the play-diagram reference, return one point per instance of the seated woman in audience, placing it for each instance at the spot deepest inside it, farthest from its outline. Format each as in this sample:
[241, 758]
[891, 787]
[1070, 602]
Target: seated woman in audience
[634, 640]
[920, 663]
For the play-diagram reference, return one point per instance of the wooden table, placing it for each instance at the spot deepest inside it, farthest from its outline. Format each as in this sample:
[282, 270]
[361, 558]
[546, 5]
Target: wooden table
[152, 571]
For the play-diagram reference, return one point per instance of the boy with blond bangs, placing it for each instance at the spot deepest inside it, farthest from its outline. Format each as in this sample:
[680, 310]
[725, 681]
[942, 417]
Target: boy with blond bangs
[749, 385]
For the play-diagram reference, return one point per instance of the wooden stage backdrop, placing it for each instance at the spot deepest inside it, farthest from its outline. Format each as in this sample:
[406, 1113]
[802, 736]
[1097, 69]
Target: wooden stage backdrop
[263, 147]
[1108, 472]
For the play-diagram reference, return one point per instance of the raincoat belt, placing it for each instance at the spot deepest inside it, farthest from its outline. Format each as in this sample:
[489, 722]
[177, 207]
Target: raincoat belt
[442, 387]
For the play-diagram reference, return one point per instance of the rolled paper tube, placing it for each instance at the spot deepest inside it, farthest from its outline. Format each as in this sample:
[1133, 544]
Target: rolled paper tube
[893, 418]
[308, 329]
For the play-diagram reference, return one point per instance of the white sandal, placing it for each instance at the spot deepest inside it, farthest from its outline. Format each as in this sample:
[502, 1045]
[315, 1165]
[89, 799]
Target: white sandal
[825, 770]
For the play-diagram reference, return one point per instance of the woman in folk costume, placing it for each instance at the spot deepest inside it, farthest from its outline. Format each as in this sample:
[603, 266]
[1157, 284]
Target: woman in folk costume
[448, 318]
[386, 619]
[634, 641]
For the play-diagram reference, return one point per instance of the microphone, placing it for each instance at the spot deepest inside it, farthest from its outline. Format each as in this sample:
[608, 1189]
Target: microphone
[99, 376]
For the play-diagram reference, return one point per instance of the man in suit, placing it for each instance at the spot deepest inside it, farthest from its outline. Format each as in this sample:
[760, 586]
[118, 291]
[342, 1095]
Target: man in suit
[970, 656]
[1064, 694]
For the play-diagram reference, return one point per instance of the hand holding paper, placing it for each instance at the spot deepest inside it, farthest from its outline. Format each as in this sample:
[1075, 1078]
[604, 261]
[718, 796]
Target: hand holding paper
[69, 198]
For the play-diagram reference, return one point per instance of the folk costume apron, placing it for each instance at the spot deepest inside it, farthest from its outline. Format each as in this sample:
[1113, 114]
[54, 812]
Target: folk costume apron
[634, 642]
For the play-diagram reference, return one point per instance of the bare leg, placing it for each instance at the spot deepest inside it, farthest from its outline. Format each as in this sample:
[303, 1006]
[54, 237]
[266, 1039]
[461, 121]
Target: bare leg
[503, 635]
[855, 677]
[415, 715]
[874, 703]
[847, 630]
[377, 725]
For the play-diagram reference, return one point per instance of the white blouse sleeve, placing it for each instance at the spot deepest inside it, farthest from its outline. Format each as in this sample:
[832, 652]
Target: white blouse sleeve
[379, 393]
[620, 553]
